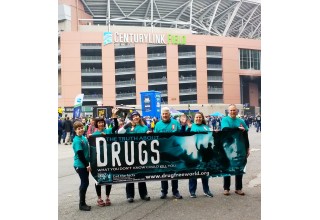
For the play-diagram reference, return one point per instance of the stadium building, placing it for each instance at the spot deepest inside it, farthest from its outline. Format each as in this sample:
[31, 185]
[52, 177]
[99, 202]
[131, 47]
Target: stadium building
[195, 52]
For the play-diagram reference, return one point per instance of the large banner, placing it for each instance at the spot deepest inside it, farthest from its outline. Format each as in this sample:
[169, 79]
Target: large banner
[124, 158]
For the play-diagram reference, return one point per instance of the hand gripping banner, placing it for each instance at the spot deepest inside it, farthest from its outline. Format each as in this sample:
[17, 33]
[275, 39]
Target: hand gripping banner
[123, 158]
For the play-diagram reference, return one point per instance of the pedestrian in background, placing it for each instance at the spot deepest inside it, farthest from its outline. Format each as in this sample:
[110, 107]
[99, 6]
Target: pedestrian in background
[258, 122]
[60, 130]
[91, 128]
[67, 126]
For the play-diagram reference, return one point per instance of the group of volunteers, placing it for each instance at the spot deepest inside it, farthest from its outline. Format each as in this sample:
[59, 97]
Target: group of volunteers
[136, 124]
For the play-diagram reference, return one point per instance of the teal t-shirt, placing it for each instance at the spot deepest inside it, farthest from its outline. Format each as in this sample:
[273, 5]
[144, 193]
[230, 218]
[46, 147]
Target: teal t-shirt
[201, 127]
[137, 129]
[228, 122]
[80, 143]
[171, 126]
[106, 131]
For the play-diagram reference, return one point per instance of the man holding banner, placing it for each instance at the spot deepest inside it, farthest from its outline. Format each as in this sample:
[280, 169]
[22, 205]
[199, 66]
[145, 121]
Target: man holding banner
[168, 125]
[231, 121]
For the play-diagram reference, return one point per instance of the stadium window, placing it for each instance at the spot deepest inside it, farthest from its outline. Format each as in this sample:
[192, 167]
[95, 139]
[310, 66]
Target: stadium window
[250, 59]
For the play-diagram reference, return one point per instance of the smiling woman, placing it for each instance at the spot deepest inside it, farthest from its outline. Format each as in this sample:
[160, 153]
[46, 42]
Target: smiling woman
[205, 152]
[81, 163]
[137, 126]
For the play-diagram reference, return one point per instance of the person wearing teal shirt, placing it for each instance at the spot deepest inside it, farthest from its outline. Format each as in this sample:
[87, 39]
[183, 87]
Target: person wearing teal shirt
[81, 163]
[137, 126]
[100, 124]
[232, 121]
[168, 124]
[199, 125]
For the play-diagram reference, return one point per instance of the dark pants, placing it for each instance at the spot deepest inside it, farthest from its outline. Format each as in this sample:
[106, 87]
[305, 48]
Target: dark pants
[72, 135]
[227, 182]
[59, 136]
[98, 189]
[258, 126]
[193, 184]
[64, 134]
[142, 187]
[84, 177]
[165, 185]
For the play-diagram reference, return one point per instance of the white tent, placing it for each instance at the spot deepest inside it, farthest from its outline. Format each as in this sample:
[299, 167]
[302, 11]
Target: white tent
[174, 112]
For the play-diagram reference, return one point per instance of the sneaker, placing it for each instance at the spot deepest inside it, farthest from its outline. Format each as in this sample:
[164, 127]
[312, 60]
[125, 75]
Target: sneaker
[146, 198]
[209, 194]
[100, 203]
[130, 200]
[226, 192]
[239, 192]
[84, 207]
[163, 196]
[193, 195]
[108, 202]
[177, 195]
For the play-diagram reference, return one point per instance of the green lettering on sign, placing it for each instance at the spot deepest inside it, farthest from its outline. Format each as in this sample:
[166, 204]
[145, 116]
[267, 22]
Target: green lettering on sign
[176, 39]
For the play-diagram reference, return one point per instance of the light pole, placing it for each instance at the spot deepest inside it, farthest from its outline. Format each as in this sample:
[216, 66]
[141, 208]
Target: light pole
[241, 90]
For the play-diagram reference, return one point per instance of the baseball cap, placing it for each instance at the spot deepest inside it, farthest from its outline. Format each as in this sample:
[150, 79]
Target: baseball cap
[135, 113]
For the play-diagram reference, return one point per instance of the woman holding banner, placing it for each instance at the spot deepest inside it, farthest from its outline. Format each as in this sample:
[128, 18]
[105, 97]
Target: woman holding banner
[81, 164]
[199, 125]
[100, 125]
[137, 126]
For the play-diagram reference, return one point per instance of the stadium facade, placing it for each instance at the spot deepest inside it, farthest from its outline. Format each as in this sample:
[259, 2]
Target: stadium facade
[193, 52]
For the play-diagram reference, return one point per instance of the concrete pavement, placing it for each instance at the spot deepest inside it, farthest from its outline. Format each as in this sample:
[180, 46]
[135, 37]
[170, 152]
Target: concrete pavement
[219, 207]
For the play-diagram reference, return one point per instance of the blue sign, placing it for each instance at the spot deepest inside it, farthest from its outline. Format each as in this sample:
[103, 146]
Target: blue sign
[77, 112]
[151, 104]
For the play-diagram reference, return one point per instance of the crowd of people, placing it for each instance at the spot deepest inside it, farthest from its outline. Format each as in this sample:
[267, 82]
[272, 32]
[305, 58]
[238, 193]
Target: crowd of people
[78, 131]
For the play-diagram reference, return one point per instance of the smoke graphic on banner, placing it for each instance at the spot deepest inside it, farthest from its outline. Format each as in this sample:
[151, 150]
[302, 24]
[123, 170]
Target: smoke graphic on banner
[123, 158]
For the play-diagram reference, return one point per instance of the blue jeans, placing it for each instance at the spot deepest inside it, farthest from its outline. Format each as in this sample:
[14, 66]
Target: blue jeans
[193, 184]
[165, 186]
[258, 127]
[64, 134]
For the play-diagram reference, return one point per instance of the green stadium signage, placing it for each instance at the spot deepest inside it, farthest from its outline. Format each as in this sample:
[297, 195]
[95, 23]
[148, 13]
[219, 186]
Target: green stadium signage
[176, 39]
